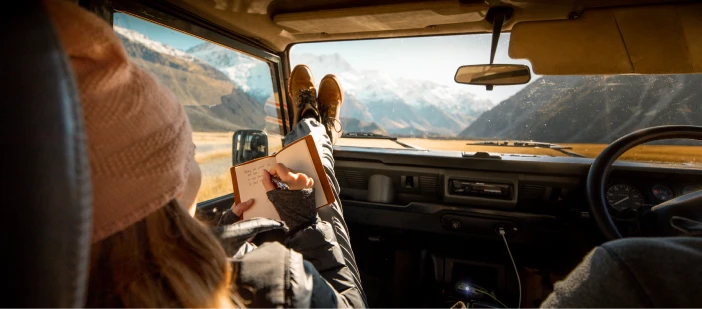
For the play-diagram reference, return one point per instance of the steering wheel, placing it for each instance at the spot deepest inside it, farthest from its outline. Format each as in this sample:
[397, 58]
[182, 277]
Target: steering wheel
[663, 219]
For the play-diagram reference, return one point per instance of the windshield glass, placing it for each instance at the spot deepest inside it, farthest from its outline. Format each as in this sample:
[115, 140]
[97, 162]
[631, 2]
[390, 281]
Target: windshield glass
[405, 88]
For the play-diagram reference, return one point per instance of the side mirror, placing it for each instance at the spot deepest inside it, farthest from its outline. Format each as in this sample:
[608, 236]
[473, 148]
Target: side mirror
[493, 74]
[248, 145]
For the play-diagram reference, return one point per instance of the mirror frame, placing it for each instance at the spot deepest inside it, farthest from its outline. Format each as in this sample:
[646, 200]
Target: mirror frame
[239, 140]
[498, 64]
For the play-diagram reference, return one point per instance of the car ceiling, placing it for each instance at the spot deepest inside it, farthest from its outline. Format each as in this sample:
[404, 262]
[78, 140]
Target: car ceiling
[279, 23]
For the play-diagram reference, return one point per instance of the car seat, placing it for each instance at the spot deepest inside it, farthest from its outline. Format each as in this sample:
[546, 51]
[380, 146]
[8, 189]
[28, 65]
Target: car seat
[46, 216]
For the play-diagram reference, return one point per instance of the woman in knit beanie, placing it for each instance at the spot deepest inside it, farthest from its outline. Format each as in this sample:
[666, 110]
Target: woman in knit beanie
[147, 249]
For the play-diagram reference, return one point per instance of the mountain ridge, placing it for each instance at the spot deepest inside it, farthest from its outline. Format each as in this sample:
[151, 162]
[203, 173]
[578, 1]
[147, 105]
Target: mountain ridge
[251, 75]
[591, 109]
[210, 99]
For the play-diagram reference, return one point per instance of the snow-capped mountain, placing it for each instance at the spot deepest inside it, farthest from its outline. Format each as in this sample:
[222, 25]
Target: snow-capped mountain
[251, 75]
[374, 85]
[134, 36]
[211, 100]
[400, 105]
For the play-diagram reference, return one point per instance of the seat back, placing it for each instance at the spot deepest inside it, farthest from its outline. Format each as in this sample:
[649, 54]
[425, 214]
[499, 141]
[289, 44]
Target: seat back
[46, 214]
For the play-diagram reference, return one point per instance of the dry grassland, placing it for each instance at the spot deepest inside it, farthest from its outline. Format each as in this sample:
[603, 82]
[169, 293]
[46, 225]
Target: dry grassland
[643, 153]
[214, 152]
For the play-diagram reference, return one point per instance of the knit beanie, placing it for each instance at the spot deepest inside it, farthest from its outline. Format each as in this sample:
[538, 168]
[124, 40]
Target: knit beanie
[138, 136]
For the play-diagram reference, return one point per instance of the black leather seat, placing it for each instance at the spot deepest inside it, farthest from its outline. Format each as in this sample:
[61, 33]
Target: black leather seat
[46, 196]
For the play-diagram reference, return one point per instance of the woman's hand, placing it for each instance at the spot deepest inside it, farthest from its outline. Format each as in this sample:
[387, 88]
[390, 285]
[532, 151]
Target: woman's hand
[295, 181]
[235, 213]
[295, 206]
[239, 209]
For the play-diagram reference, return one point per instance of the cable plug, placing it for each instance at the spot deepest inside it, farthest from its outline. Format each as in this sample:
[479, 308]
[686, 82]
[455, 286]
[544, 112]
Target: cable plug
[500, 229]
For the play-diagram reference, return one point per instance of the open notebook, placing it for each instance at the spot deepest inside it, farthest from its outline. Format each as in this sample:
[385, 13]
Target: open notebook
[300, 156]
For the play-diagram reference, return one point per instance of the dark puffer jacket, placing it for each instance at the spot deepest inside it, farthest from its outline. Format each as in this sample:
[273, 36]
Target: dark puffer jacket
[302, 268]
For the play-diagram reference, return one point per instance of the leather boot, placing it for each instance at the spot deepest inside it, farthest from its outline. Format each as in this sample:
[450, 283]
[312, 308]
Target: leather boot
[330, 98]
[302, 91]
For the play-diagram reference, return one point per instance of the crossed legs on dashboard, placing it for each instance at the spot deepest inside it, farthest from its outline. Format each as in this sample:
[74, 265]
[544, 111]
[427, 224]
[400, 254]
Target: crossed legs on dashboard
[319, 119]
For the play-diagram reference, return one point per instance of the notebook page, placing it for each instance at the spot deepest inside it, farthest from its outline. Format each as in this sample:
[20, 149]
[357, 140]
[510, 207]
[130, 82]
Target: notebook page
[297, 158]
[249, 177]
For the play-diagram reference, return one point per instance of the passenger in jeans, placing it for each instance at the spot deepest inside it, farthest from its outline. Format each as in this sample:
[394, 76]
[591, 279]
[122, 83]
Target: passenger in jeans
[317, 242]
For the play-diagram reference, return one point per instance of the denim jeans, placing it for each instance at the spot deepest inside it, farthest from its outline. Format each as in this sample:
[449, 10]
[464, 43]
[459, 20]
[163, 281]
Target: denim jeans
[333, 214]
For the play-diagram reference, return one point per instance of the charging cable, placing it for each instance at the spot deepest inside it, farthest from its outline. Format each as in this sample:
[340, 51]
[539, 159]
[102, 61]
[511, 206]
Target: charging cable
[491, 296]
[501, 231]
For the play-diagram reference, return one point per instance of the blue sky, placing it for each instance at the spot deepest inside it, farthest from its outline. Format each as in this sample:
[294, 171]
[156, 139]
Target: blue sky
[427, 58]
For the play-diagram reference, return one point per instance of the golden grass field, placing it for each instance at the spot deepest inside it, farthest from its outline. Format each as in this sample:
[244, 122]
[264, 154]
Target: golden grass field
[644, 153]
[214, 152]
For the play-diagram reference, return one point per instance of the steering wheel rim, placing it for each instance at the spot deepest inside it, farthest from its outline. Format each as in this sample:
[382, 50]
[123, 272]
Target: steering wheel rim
[602, 166]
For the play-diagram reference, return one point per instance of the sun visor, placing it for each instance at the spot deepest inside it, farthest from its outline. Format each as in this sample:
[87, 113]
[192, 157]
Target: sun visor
[644, 40]
[382, 17]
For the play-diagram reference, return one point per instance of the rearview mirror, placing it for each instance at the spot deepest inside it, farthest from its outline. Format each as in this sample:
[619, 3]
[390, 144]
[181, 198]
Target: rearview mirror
[493, 74]
[248, 145]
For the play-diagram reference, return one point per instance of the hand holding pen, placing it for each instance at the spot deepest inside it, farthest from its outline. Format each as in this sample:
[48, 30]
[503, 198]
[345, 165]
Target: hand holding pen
[281, 185]
[281, 177]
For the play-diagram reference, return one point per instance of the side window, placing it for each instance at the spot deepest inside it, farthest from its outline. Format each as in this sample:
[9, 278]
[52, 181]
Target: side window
[221, 89]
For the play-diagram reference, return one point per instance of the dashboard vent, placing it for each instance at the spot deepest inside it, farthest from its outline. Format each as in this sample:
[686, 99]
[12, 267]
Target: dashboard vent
[351, 179]
[531, 192]
[427, 184]
[341, 178]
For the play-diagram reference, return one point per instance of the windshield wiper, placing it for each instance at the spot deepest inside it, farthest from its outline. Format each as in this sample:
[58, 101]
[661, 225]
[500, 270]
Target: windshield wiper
[371, 135]
[530, 144]
[367, 135]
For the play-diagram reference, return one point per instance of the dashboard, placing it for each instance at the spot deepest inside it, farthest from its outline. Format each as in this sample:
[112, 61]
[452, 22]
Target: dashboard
[540, 199]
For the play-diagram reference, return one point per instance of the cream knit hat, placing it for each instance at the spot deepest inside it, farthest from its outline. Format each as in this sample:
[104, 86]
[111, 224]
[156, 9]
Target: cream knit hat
[138, 136]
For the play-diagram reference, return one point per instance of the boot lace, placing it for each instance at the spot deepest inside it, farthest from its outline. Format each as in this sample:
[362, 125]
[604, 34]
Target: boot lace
[307, 97]
[328, 122]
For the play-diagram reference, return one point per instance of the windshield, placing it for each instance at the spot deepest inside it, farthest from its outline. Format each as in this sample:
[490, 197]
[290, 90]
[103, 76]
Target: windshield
[405, 88]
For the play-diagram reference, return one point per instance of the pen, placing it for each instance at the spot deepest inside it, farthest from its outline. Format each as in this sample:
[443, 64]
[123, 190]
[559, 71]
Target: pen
[281, 185]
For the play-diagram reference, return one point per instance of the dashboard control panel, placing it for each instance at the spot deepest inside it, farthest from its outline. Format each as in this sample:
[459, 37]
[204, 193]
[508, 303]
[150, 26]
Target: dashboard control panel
[493, 190]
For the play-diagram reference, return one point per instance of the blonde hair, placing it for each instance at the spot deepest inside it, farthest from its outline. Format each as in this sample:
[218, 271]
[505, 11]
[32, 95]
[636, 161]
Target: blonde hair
[167, 259]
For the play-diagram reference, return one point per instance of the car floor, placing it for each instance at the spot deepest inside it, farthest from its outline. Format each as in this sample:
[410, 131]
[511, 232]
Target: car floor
[398, 268]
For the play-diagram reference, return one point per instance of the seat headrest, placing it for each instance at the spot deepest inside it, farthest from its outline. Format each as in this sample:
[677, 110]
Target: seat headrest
[46, 209]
